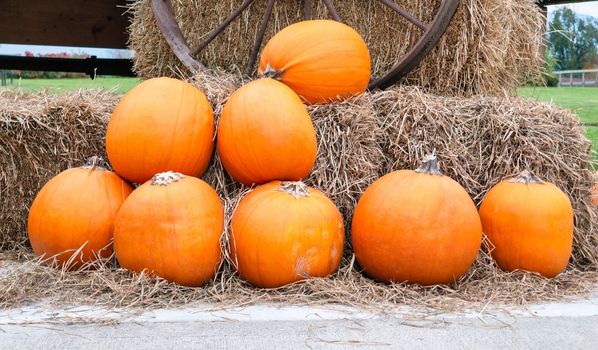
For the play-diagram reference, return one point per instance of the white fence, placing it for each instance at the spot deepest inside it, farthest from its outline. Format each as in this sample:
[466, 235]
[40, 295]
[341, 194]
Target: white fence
[584, 77]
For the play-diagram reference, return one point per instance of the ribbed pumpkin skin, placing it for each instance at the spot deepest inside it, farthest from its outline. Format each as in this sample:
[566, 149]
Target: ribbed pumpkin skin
[161, 124]
[277, 239]
[321, 60]
[76, 206]
[530, 226]
[265, 134]
[417, 228]
[171, 231]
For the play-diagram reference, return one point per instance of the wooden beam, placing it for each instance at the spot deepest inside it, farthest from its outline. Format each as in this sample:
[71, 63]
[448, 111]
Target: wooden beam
[88, 23]
[92, 66]
[558, 2]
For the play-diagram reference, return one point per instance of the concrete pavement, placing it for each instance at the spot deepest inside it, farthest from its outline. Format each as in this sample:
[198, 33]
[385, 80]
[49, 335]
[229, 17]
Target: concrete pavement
[572, 325]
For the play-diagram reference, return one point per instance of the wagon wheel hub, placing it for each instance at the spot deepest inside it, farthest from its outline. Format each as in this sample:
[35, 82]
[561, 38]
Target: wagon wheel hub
[431, 33]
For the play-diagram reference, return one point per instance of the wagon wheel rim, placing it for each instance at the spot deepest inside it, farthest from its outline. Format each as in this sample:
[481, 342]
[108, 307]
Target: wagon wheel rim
[187, 55]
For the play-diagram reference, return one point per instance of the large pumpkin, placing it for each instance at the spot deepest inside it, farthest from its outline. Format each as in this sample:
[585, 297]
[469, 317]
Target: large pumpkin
[417, 227]
[530, 224]
[265, 134]
[171, 227]
[72, 216]
[321, 60]
[161, 124]
[283, 232]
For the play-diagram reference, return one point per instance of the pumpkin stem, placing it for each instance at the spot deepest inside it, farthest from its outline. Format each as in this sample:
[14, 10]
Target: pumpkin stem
[96, 163]
[429, 166]
[166, 178]
[526, 177]
[296, 189]
[270, 72]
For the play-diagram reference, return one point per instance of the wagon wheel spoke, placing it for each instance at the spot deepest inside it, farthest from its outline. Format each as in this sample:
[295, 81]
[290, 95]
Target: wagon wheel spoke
[426, 43]
[259, 38]
[307, 10]
[172, 33]
[332, 10]
[400, 10]
[214, 33]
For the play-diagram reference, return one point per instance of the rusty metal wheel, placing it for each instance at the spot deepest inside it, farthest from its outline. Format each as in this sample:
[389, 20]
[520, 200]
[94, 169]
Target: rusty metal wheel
[431, 33]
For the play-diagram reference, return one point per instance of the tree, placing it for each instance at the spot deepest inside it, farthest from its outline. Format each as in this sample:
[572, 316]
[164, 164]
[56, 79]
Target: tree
[572, 40]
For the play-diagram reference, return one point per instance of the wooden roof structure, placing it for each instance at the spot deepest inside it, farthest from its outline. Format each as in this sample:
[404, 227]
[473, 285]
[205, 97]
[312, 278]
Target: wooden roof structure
[87, 23]
[77, 23]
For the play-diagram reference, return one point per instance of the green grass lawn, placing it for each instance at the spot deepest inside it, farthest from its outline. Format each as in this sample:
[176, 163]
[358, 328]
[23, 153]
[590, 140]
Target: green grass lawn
[584, 101]
[119, 84]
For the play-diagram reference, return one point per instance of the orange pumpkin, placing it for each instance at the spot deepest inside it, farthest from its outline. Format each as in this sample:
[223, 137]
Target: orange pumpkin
[265, 134]
[72, 216]
[283, 232]
[171, 227]
[530, 224]
[161, 124]
[417, 227]
[321, 60]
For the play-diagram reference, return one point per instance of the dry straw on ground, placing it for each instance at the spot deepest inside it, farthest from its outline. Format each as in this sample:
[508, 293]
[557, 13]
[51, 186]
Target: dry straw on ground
[488, 47]
[108, 286]
[478, 140]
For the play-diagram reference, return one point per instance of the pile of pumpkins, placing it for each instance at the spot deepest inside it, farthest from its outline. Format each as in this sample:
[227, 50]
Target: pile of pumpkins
[414, 226]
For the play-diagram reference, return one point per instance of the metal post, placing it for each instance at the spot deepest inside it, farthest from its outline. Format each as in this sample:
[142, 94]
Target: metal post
[570, 79]
[560, 79]
[3, 74]
[583, 79]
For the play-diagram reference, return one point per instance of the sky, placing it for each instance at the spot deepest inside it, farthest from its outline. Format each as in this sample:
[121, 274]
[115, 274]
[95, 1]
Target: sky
[589, 8]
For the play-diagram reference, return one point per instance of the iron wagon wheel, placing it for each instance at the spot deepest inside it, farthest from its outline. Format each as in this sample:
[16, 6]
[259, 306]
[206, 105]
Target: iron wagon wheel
[431, 33]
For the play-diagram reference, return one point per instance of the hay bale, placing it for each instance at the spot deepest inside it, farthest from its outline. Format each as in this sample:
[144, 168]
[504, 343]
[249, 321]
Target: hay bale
[489, 46]
[482, 140]
[41, 135]
[478, 140]
[105, 285]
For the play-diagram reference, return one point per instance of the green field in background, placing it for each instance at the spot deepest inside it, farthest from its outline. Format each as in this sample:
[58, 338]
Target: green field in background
[583, 101]
[117, 84]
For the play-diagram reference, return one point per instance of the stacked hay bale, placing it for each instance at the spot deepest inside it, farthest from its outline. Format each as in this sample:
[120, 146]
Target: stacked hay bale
[478, 140]
[42, 135]
[489, 46]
